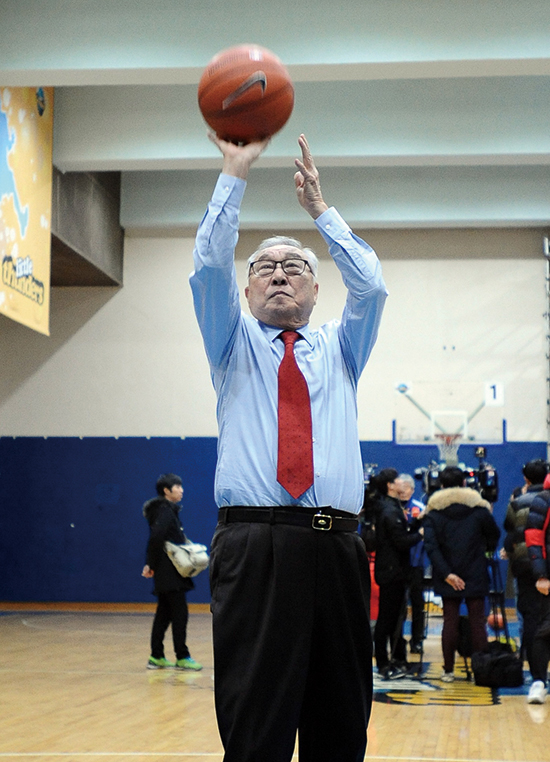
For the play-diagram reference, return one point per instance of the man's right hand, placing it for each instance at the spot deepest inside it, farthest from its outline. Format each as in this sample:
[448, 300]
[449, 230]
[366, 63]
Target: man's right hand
[543, 585]
[237, 160]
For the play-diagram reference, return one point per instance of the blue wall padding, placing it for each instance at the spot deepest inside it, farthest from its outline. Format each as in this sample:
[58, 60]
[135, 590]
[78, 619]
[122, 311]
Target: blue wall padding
[71, 523]
[71, 527]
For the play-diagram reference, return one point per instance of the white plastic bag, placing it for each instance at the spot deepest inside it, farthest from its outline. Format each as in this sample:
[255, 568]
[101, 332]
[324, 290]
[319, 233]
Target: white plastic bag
[189, 559]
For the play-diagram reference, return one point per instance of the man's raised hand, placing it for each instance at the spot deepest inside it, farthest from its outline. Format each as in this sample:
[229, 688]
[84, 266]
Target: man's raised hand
[237, 160]
[308, 187]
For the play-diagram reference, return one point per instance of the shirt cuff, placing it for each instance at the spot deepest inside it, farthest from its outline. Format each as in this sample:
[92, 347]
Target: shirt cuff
[229, 190]
[331, 225]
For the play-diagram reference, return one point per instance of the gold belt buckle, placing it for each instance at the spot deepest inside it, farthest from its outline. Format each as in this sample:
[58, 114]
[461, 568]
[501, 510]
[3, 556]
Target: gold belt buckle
[322, 521]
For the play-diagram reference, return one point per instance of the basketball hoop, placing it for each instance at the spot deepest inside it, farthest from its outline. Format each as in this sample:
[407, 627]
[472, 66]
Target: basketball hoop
[448, 445]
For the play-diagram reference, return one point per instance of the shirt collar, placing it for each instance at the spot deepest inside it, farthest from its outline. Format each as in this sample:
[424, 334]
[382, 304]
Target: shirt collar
[272, 332]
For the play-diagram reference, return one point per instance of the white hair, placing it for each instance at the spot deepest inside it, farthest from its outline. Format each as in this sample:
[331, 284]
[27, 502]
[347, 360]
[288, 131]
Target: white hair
[407, 478]
[282, 240]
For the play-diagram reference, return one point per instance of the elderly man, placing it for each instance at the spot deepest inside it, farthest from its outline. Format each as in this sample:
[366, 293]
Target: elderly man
[289, 573]
[414, 511]
[459, 531]
[392, 569]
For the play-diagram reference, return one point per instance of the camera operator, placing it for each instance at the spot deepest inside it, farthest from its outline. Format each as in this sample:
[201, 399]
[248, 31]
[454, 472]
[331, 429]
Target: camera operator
[459, 529]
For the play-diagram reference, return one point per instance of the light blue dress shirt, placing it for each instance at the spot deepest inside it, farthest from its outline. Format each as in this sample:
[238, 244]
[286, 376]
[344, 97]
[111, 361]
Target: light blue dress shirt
[244, 356]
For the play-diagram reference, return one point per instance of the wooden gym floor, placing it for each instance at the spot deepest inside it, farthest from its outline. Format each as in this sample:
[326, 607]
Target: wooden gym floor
[74, 687]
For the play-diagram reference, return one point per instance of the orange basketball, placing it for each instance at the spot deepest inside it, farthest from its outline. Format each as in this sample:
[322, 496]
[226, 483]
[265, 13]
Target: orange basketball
[245, 94]
[495, 622]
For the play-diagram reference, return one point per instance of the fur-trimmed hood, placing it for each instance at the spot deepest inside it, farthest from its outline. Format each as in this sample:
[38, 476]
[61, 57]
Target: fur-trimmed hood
[464, 496]
[151, 508]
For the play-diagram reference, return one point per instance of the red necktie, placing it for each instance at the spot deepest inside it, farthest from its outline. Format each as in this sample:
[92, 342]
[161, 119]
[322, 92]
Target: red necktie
[295, 451]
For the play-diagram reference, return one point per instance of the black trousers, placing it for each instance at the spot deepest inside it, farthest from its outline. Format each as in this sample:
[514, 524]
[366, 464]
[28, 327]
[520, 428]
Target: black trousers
[171, 608]
[528, 604]
[388, 635]
[416, 595]
[450, 632]
[541, 642]
[292, 644]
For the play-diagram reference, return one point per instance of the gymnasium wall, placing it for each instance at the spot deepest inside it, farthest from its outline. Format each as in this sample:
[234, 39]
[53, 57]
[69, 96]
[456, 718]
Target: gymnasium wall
[71, 527]
[120, 392]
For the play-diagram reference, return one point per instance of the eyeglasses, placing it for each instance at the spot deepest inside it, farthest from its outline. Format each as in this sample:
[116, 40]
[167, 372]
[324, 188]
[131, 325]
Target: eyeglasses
[263, 268]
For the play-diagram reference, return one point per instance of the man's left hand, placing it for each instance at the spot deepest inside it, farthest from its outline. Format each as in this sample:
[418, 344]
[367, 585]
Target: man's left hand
[308, 187]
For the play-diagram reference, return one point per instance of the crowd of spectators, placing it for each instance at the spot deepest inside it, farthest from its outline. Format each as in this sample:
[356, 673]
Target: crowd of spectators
[441, 544]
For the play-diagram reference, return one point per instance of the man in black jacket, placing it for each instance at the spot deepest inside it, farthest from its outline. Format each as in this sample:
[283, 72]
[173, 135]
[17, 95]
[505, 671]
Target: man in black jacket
[515, 550]
[394, 539]
[459, 529]
[170, 588]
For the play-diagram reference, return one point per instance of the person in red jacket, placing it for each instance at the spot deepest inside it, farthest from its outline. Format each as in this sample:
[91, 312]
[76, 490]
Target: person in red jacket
[537, 538]
[515, 550]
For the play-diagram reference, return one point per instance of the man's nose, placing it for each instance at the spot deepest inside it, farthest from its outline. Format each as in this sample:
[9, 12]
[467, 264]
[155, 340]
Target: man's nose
[278, 276]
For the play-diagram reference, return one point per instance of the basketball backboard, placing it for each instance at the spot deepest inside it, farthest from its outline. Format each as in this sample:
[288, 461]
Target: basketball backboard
[472, 409]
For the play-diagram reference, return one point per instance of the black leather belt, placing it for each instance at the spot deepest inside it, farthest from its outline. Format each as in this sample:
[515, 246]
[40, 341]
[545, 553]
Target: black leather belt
[322, 520]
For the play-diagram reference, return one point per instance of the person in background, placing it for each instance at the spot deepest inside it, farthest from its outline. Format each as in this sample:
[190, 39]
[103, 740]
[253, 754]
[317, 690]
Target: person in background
[537, 538]
[169, 586]
[515, 550]
[414, 512]
[392, 568]
[459, 529]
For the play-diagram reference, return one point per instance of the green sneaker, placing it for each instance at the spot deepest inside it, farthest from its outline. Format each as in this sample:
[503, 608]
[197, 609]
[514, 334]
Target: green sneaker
[188, 663]
[159, 663]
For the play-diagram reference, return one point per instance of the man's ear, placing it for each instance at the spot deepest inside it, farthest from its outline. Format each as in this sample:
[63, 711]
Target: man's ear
[246, 291]
[316, 291]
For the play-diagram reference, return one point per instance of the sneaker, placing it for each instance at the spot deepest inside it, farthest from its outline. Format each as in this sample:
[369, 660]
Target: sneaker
[537, 693]
[188, 663]
[391, 672]
[404, 666]
[159, 663]
[448, 677]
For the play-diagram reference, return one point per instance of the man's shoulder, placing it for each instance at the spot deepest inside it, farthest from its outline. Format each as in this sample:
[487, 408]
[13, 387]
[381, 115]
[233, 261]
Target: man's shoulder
[151, 508]
[391, 506]
[529, 495]
[541, 501]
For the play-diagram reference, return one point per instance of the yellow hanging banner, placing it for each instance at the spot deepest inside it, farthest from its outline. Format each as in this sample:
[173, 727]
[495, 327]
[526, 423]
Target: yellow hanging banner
[26, 139]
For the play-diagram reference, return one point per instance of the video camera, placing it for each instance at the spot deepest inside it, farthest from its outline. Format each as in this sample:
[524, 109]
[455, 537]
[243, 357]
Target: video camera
[484, 478]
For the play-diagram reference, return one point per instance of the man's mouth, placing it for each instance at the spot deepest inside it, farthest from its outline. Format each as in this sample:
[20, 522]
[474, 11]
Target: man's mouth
[278, 293]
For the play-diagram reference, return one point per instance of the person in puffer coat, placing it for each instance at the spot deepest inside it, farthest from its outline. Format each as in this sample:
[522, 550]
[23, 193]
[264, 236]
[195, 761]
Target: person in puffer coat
[169, 586]
[537, 537]
[515, 550]
[459, 529]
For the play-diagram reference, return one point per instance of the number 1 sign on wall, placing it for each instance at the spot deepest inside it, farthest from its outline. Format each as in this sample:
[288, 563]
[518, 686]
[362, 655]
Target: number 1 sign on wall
[494, 394]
